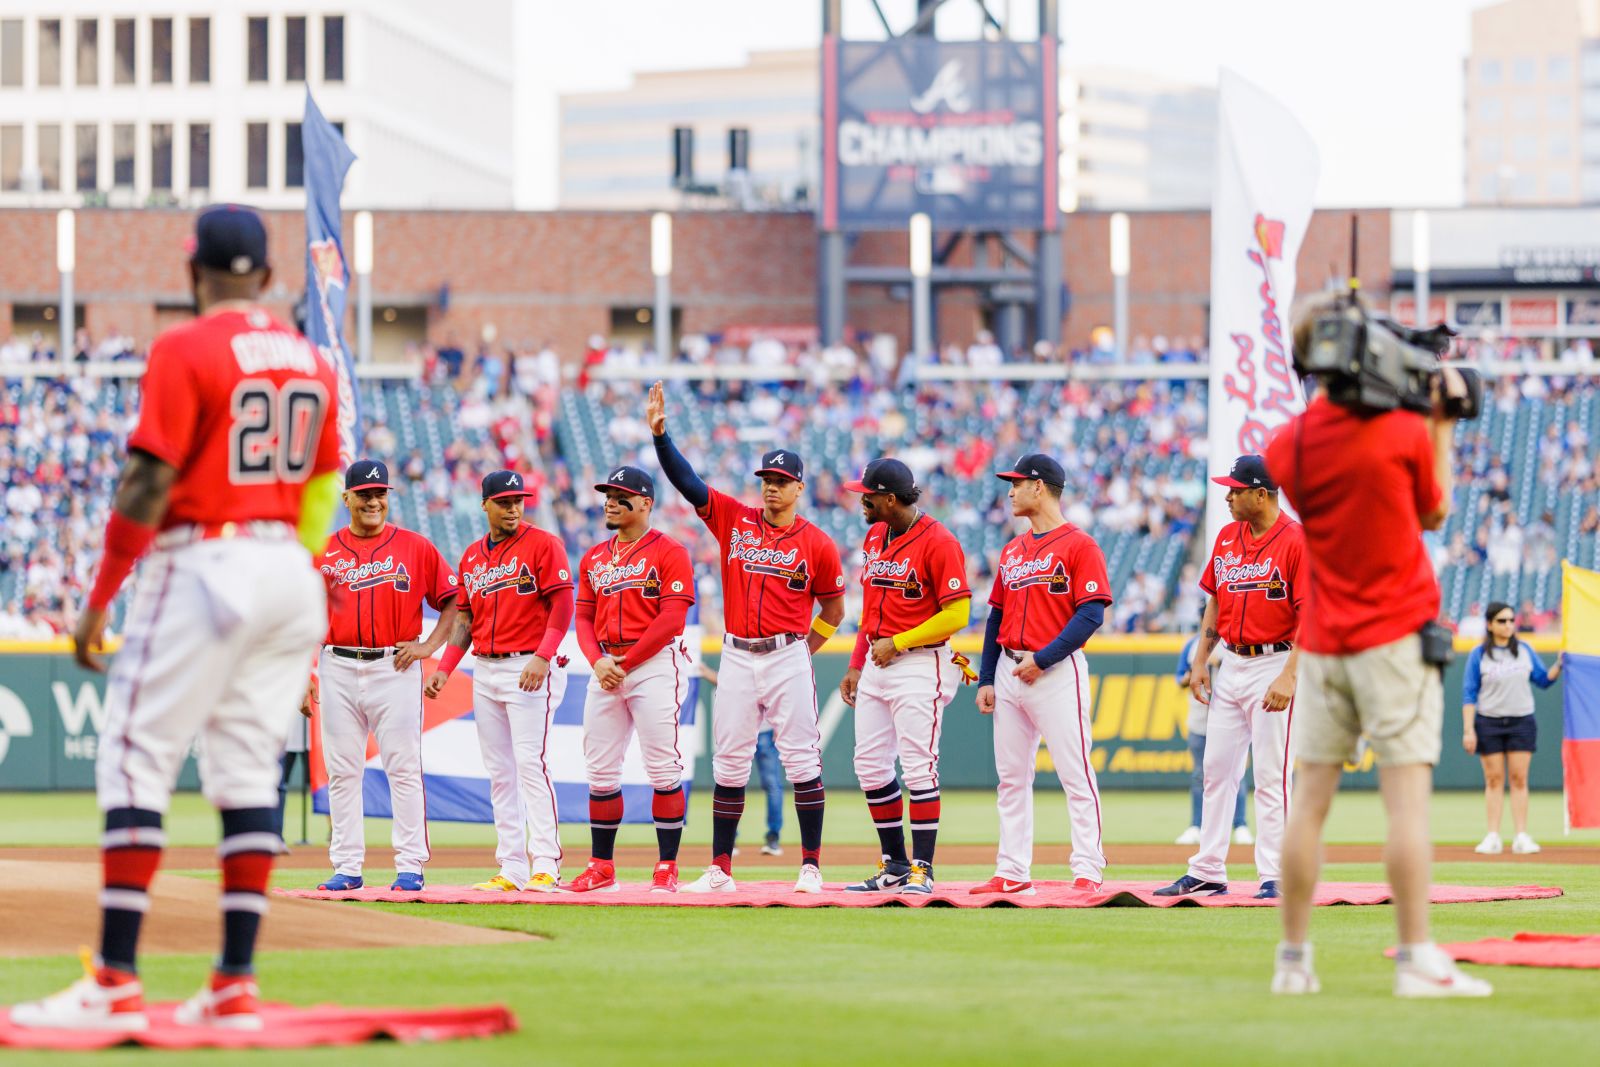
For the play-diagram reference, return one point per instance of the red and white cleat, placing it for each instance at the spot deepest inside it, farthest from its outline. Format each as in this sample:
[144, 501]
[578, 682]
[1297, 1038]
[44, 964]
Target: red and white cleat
[1004, 887]
[227, 1002]
[1086, 885]
[103, 999]
[665, 878]
[599, 877]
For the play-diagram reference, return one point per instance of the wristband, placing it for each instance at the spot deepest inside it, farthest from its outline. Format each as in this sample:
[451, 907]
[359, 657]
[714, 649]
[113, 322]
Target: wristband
[125, 541]
[823, 627]
[452, 656]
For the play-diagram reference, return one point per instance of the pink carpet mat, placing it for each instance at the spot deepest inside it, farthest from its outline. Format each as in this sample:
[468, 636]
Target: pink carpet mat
[949, 894]
[284, 1026]
[1531, 950]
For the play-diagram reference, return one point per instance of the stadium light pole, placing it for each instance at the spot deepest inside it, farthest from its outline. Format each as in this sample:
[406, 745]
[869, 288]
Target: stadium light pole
[921, 248]
[1121, 256]
[1421, 264]
[66, 263]
[661, 267]
[363, 264]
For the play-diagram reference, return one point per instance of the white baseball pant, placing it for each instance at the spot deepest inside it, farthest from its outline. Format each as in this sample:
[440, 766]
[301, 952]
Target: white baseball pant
[900, 712]
[1056, 707]
[1237, 727]
[647, 701]
[358, 697]
[778, 687]
[513, 734]
[219, 644]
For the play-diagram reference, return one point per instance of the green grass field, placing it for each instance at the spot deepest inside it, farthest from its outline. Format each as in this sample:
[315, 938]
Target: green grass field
[1121, 986]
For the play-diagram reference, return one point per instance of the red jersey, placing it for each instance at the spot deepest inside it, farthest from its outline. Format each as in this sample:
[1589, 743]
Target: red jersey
[770, 574]
[507, 583]
[906, 579]
[1360, 486]
[1260, 586]
[627, 584]
[1041, 580]
[243, 407]
[376, 586]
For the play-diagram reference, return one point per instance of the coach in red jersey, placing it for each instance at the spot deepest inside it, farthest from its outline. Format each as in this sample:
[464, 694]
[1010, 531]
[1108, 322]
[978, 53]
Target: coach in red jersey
[518, 607]
[1256, 590]
[1366, 486]
[369, 678]
[775, 564]
[903, 673]
[634, 594]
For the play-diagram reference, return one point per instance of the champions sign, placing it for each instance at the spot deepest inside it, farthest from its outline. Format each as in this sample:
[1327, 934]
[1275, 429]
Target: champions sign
[955, 129]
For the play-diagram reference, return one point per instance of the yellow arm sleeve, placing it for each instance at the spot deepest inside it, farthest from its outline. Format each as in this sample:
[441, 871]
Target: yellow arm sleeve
[317, 506]
[950, 620]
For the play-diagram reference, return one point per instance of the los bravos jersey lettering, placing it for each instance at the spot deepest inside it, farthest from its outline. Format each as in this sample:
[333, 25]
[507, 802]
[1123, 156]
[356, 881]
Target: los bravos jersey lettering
[1259, 584]
[245, 409]
[506, 585]
[377, 585]
[905, 580]
[1041, 581]
[628, 583]
[770, 574]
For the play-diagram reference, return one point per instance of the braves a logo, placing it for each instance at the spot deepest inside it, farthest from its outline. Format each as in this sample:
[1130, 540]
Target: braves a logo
[892, 574]
[746, 549]
[1232, 573]
[484, 580]
[611, 579]
[1046, 571]
[357, 577]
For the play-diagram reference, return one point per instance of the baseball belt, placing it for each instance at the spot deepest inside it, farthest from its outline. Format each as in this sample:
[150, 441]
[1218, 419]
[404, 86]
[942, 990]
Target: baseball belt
[505, 655]
[612, 649]
[364, 654]
[1012, 654]
[1251, 651]
[760, 646]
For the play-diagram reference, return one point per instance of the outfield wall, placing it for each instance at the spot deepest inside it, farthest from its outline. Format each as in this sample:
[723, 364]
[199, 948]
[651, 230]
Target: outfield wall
[51, 713]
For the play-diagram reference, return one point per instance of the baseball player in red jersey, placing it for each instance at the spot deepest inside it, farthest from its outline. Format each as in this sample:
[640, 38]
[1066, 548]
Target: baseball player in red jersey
[774, 565]
[370, 672]
[634, 593]
[518, 606]
[236, 447]
[1049, 597]
[1256, 583]
[903, 672]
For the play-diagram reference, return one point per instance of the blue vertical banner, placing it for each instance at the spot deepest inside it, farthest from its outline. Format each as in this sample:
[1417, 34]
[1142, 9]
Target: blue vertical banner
[327, 160]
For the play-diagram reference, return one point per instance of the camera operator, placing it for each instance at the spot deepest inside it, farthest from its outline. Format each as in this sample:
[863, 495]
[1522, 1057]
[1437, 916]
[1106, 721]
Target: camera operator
[1367, 473]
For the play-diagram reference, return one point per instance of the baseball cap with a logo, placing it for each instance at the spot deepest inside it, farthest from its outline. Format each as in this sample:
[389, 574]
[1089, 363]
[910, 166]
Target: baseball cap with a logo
[629, 480]
[366, 474]
[504, 483]
[1036, 465]
[231, 238]
[1249, 472]
[884, 476]
[783, 461]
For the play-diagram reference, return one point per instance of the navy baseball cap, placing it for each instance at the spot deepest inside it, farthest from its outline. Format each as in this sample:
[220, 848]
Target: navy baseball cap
[367, 474]
[503, 483]
[1249, 472]
[231, 238]
[783, 461]
[1036, 465]
[629, 480]
[884, 476]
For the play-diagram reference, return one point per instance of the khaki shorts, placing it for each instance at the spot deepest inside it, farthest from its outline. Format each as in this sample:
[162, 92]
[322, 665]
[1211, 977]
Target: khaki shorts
[1386, 693]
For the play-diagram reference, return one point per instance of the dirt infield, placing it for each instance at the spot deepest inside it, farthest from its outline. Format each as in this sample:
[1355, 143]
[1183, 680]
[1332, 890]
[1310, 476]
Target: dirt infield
[49, 907]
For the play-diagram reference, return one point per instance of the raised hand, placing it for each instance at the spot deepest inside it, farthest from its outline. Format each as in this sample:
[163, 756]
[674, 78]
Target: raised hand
[655, 410]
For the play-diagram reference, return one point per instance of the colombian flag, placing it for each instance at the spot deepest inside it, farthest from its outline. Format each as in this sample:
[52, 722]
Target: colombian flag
[1580, 694]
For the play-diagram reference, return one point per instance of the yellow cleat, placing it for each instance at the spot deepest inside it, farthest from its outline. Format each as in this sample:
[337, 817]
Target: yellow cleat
[498, 884]
[543, 883]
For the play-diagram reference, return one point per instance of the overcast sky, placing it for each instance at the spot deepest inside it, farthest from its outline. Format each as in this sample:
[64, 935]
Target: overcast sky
[1376, 82]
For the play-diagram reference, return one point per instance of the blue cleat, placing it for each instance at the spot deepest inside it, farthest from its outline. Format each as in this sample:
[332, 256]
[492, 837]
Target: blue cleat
[1268, 890]
[1189, 886]
[342, 883]
[408, 882]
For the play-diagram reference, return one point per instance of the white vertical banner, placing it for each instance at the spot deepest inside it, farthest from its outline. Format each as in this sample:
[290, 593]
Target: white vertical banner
[1261, 202]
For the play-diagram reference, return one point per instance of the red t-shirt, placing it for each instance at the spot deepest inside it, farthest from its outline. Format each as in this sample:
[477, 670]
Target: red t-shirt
[627, 584]
[244, 408]
[508, 584]
[907, 579]
[1360, 486]
[376, 586]
[770, 574]
[1041, 580]
[1260, 586]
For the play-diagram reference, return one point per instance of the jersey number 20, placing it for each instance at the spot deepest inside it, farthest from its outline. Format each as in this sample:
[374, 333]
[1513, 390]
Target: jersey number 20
[275, 430]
